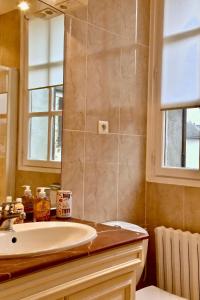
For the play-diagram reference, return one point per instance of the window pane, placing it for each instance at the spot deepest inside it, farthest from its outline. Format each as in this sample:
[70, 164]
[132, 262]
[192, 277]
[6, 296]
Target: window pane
[38, 78]
[57, 38]
[193, 138]
[38, 138]
[38, 42]
[181, 15]
[57, 102]
[182, 138]
[3, 103]
[56, 142]
[181, 72]
[46, 42]
[173, 138]
[39, 100]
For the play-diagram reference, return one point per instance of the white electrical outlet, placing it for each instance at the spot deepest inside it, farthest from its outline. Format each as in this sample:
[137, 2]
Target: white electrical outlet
[103, 127]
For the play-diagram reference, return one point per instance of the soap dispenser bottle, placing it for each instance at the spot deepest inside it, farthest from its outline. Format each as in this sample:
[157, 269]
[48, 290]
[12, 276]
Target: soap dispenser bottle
[42, 206]
[27, 201]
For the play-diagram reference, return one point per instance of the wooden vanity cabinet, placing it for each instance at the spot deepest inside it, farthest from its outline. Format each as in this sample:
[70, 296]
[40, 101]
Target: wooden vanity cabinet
[107, 275]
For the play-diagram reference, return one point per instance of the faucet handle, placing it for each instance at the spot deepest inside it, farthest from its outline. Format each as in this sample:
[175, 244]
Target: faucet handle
[12, 208]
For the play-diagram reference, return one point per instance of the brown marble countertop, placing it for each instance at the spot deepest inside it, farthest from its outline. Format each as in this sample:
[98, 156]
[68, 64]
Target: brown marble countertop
[107, 237]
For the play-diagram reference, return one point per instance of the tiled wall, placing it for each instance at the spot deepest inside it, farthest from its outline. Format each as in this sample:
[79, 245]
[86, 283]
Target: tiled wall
[107, 58]
[106, 79]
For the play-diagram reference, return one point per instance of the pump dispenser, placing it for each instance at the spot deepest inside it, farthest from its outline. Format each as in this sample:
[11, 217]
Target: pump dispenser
[9, 199]
[42, 206]
[27, 201]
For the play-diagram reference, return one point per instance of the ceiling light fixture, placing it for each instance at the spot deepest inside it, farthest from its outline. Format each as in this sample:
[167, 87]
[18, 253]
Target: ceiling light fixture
[23, 5]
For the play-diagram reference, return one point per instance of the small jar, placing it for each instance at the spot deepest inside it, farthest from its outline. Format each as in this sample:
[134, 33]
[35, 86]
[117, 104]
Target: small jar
[64, 204]
[19, 208]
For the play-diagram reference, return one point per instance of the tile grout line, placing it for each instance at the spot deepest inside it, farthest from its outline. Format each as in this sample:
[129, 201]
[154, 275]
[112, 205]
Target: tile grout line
[85, 112]
[183, 210]
[118, 135]
[118, 149]
[112, 133]
[136, 20]
[145, 203]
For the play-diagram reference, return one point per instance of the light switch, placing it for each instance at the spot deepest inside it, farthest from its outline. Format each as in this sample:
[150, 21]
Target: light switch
[103, 127]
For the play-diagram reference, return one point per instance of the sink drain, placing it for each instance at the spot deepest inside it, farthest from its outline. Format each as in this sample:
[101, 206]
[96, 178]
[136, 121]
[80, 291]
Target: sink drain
[14, 240]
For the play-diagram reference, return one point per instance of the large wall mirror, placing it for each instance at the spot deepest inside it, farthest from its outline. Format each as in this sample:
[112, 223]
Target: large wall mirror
[31, 95]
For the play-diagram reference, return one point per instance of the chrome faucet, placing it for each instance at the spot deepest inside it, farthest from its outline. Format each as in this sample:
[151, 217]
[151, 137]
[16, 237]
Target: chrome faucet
[8, 215]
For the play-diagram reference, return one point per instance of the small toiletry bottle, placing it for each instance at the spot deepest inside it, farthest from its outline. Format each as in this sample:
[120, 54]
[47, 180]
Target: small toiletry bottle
[54, 188]
[19, 208]
[9, 199]
[27, 201]
[8, 206]
[42, 206]
[64, 204]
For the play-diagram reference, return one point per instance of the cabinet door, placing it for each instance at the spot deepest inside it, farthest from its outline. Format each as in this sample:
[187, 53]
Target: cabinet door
[119, 288]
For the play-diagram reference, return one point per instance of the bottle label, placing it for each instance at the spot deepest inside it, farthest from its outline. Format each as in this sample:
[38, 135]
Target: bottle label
[42, 210]
[64, 204]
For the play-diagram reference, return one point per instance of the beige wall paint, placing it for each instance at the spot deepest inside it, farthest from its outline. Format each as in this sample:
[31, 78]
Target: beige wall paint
[10, 39]
[106, 79]
[35, 179]
[9, 56]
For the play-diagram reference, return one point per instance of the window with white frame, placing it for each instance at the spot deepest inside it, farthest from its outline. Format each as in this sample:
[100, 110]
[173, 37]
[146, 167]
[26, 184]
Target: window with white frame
[43, 102]
[173, 142]
[45, 123]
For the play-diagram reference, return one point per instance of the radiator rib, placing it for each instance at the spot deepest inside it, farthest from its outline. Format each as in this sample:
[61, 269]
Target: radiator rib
[177, 257]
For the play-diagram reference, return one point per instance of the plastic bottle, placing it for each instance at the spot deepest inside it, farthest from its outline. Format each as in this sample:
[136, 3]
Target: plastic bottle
[27, 201]
[19, 208]
[9, 206]
[42, 206]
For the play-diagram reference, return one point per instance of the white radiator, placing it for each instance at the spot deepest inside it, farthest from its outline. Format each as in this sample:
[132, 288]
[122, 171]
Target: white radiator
[178, 262]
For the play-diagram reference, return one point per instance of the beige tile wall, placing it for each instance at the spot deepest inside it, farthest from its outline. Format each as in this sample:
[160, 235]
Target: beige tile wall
[107, 58]
[106, 79]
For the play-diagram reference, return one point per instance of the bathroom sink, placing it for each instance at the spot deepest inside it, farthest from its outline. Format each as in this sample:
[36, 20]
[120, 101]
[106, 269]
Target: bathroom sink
[44, 237]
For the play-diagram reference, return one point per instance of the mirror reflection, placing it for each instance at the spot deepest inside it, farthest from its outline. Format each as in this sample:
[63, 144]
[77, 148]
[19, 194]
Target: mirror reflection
[3, 127]
[31, 44]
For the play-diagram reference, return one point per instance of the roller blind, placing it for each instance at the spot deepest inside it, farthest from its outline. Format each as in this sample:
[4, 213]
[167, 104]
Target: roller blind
[46, 44]
[180, 81]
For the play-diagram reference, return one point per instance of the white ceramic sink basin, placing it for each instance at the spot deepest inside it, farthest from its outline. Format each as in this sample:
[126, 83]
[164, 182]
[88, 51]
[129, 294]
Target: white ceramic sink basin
[44, 237]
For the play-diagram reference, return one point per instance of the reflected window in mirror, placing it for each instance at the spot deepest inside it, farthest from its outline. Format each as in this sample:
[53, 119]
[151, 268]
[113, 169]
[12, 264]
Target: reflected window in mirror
[44, 98]
[45, 123]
